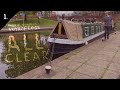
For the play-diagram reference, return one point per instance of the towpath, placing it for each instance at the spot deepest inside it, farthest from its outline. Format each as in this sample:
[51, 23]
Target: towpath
[97, 60]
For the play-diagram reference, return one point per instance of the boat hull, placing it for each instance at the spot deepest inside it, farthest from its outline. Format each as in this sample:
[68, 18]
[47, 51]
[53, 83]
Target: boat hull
[63, 47]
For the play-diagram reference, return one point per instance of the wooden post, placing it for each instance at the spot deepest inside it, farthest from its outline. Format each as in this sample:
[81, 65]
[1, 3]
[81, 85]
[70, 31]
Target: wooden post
[59, 28]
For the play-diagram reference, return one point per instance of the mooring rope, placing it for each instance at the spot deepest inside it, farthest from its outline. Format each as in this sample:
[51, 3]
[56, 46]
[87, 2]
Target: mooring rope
[52, 52]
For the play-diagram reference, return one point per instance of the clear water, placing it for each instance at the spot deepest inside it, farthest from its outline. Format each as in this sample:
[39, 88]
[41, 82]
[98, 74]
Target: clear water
[21, 52]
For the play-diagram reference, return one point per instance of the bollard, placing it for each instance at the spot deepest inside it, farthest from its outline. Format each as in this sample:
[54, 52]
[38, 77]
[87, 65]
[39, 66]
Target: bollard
[86, 43]
[102, 39]
[48, 69]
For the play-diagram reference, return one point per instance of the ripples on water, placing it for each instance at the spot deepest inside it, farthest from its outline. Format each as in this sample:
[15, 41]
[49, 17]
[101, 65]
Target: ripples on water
[21, 52]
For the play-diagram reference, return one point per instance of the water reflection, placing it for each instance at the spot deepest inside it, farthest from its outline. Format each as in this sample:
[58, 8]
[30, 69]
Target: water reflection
[21, 53]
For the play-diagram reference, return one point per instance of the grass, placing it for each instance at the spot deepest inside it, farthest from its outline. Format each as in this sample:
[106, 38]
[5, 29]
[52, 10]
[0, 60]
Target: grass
[45, 33]
[33, 22]
[117, 26]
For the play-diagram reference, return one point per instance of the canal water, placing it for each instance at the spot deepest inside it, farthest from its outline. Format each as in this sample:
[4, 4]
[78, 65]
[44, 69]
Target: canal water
[21, 52]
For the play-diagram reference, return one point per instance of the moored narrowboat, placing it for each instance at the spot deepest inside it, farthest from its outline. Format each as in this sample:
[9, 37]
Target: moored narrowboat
[68, 35]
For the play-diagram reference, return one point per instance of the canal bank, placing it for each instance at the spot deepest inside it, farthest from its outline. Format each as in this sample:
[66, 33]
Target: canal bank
[97, 60]
[24, 29]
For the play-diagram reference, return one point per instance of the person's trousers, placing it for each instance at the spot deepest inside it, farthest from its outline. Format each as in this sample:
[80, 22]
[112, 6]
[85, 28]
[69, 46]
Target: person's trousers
[107, 31]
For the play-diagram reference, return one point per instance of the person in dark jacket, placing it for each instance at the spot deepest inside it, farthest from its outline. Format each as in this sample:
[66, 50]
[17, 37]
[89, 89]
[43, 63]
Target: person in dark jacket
[107, 24]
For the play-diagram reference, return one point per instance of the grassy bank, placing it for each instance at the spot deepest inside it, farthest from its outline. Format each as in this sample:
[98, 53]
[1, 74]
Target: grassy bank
[117, 25]
[46, 33]
[32, 22]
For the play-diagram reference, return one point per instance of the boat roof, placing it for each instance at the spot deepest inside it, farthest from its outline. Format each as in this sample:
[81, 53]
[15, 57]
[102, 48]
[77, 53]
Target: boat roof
[73, 30]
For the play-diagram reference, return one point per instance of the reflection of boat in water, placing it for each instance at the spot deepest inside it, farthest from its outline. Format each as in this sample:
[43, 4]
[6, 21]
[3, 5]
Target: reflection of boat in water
[43, 40]
[68, 35]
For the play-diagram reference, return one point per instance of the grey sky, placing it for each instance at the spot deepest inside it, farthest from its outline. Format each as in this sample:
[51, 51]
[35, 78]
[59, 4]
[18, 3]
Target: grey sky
[63, 12]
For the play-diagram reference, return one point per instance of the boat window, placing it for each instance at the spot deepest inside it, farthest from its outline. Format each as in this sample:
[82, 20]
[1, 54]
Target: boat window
[99, 28]
[92, 29]
[86, 31]
[96, 27]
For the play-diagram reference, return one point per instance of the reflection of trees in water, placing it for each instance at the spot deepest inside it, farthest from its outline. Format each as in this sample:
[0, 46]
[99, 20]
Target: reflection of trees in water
[16, 68]
[22, 68]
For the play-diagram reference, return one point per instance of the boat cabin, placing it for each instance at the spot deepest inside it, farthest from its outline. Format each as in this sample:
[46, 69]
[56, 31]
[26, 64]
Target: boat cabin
[75, 31]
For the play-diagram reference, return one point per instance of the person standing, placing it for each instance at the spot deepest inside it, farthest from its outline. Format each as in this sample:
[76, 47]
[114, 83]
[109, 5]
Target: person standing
[38, 14]
[107, 24]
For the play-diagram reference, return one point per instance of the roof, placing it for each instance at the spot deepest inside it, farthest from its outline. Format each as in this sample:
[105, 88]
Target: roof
[73, 30]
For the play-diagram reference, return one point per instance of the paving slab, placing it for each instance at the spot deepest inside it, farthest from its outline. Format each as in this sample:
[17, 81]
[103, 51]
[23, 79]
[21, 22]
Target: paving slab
[115, 67]
[111, 75]
[90, 70]
[97, 60]
[77, 75]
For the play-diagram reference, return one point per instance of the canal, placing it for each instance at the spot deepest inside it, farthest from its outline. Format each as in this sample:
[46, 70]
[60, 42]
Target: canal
[22, 52]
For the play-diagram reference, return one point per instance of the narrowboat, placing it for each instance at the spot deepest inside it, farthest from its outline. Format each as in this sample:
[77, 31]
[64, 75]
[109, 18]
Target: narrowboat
[69, 35]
